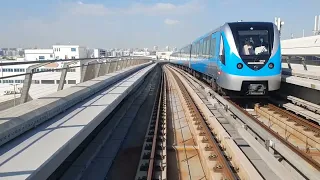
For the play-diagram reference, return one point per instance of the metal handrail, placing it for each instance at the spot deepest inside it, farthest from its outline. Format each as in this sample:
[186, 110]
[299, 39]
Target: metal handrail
[91, 65]
[63, 60]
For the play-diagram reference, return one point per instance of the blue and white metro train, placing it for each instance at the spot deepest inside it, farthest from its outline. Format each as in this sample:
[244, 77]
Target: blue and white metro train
[240, 58]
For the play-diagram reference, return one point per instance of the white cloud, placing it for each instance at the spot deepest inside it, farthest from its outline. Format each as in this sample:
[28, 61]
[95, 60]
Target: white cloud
[171, 21]
[166, 8]
[81, 8]
[96, 24]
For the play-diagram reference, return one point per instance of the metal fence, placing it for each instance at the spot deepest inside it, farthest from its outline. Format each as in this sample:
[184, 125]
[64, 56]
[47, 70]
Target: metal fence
[16, 92]
[304, 60]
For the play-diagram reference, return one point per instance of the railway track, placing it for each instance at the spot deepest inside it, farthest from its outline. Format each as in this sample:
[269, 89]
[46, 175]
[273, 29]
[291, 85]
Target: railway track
[280, 137]
[153, 155]
[301, 133]
[220, 155]
[309, 155]
[212, 144]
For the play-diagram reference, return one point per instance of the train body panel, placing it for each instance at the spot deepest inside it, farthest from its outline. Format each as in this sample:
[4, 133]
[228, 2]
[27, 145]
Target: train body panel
[243, 56]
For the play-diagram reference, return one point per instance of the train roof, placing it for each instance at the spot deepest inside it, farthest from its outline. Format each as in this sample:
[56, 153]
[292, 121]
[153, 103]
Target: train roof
[227, 23]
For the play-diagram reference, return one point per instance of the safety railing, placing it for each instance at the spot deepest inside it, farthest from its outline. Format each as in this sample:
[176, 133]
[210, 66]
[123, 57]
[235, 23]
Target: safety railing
[22, 81]
[304, 60]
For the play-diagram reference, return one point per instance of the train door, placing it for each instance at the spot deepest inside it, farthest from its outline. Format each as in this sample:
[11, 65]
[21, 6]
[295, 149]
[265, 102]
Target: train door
[221, 59]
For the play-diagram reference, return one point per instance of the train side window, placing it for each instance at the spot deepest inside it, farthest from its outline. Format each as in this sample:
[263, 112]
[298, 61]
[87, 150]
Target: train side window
[208, 47]
[201, 48]
[213, 48]
[222, 54]
[204, 47]
[198, 49]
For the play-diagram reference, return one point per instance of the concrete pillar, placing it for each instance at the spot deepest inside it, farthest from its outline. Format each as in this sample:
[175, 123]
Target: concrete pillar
[126, 63]
[130, 63]
[116, 65]
[97, 70]
[122, 64]
[107, 67]
[304, 63]
[84, 70]
[88, 71]
[63, 76]
[288, 62]
[112, 66]
[26, 87]
[27, 82]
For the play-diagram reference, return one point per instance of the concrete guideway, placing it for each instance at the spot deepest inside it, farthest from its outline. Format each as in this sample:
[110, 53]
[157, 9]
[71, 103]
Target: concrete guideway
[300, 81]
[17, 120]
[40, 151]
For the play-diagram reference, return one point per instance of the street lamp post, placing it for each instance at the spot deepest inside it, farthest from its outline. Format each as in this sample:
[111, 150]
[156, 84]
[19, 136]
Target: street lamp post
[14, 94]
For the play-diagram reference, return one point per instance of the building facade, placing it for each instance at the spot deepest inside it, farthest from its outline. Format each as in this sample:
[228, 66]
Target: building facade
[38, 54]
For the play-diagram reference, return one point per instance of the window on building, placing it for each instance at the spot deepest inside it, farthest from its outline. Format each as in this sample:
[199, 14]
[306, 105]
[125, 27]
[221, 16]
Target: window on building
[71, 70]
[35, 82]
[72, 57]
[47, 81]
[73, 49]
[71, 81]
[51, 55]
[18, 81]
[41, 57]
[58, 81]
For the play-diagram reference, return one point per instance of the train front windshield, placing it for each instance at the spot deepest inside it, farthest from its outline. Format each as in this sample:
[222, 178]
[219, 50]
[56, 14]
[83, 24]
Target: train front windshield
[253, 39]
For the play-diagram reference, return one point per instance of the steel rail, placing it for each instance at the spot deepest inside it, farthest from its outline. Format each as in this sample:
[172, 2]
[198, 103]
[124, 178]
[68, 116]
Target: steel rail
[223, 164]
[306, 157]
[155, 135]
[315, 128]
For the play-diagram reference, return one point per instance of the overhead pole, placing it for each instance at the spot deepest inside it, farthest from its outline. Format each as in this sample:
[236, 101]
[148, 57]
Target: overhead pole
[316, 29]
[279, 24]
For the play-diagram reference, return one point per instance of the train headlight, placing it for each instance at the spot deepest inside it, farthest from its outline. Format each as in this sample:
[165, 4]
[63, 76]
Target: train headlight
[239, 66]
[271, 65]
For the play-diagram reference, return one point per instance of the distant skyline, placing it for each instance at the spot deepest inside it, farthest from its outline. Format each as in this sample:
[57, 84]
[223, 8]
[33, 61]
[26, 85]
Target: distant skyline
[140, 23]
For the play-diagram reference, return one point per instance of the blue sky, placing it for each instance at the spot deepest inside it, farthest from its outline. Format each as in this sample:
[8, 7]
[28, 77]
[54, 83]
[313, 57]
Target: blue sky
[139, 23]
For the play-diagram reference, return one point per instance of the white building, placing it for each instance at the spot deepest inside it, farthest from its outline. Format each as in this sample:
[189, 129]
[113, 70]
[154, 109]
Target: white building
[99, 53]
[136, 53]
[45, 82]
[163, 55]
[38, 54]
[155, 48]
[69, 52]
